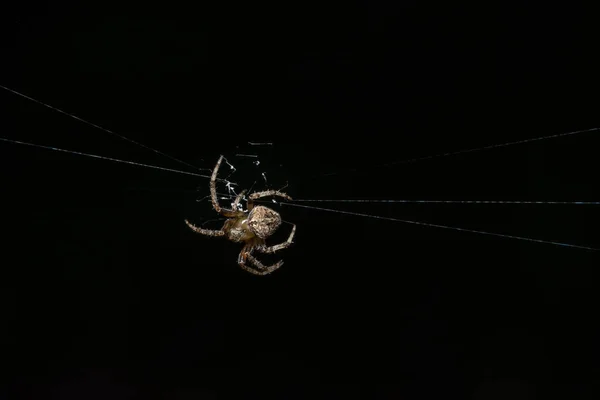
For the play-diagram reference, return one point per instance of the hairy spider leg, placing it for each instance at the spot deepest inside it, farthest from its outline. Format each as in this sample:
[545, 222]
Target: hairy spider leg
[266, 193]
[207, 232]
[246, 255]
[237, 200]
[281, 246]
[213, 194]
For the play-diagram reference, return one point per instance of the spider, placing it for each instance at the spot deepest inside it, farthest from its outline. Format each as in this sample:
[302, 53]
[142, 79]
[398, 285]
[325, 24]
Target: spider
[251, 227]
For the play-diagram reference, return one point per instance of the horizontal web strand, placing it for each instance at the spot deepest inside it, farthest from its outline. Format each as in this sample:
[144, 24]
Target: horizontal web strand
[446, 201]
[464, 151]
[106, 158]
[444, 227]
[97, 126]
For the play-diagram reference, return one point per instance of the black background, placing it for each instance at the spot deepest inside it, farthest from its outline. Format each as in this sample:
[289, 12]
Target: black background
[107, 295]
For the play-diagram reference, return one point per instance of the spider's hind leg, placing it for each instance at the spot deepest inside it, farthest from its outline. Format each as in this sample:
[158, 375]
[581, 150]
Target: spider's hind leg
[246, 255]
[264, 270]
[280, 246]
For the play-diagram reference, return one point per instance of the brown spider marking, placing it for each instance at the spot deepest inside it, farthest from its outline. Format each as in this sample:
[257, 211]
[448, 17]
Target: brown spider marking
[252, 227]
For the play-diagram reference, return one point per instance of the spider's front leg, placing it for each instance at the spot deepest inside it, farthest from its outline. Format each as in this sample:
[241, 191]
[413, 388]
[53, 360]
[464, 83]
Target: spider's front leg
[266, 193]
[236, 202]
[207, 232]
[246, 255]
[213, 193]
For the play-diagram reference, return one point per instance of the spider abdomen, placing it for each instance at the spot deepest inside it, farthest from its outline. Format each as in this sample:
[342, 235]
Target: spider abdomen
[263, 221]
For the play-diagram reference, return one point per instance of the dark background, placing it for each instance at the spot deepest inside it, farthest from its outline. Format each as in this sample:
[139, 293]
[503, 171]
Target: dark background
[107, 295]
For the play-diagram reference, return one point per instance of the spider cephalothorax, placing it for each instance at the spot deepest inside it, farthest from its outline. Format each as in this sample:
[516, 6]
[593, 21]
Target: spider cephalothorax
[252, 227]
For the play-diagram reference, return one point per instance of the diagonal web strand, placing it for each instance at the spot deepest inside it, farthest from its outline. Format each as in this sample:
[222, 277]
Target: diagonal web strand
[109, 159]
[464, 151]
[444, 227]
[98, 127]
[447, 201]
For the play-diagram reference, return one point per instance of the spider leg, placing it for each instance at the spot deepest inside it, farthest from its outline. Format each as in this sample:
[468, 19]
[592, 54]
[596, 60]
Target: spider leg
[237, 200]
[264, 270]
[207, 232]
[281, 246]
[213, 193]
[243, 257]
[266, 193]
[246, 255]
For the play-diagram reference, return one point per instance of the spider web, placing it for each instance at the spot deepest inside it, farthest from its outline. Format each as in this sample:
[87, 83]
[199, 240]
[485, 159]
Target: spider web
[256, 166]
[253, 163]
